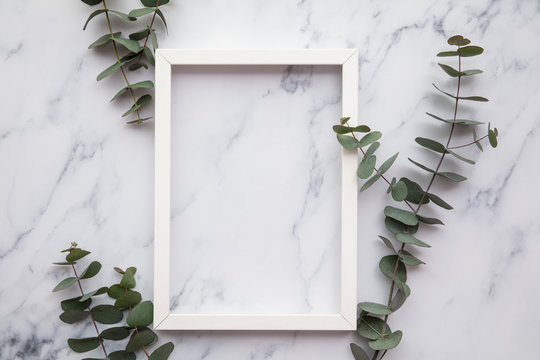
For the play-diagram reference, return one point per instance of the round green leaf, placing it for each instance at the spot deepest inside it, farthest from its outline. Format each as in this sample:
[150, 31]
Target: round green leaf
[348, 142]
[128, 280]
[470, 51]
[115, 333]
[83, 345]
[141, 315]
[153, 3]
[405, 216]
[409, 239]
[396, 227]
[388, 264]
[492, 138]
[72, 316]
[388, 342]
[65, 283]
[107, 314]
[76, 254]
[91, 2]
[458, 40]
[122, 355]
[365, 168]
[398, 300]
[128, 299]
[369, 138]
[358, 352]
[163, 352]
[75, 304]
[140, 339]
[399, 191]
[374, 308]
[115, 291]
[371, 327]
[91, 270]
[415, 194]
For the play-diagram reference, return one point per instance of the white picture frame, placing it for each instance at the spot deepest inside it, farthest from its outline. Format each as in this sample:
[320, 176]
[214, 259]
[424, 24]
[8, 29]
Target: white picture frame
[163, 318]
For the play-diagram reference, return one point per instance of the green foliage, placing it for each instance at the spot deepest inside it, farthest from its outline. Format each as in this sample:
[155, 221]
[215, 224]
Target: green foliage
[404, 222]
[140, 314]
[130, 54]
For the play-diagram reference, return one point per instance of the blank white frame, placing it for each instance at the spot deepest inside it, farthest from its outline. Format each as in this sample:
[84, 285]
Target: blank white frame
[163, 318]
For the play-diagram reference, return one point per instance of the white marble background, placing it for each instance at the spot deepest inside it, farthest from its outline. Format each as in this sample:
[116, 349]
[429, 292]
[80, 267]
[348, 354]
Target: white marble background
[72, 170]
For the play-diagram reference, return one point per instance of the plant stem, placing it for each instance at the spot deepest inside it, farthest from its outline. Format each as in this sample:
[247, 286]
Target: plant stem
[469, 144]
[91, 315]
[422, 199]
[139, 120]
[150, 29]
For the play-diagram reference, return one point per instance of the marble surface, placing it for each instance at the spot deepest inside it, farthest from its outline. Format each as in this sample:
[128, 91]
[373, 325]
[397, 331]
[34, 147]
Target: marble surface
[72, 170]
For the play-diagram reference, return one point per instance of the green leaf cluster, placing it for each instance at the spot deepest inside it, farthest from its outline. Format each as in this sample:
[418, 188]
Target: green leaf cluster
[131, 53]
[125, 299]
[404, 220]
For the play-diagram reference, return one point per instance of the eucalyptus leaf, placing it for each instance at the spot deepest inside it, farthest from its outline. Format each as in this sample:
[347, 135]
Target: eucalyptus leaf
[141, 315]
[471, 72]
[123, 16]
[399, 191]
[431, 144]
[91, 2]
[387, 265]
[140, 339]
[129, 44]
[340, 129]
[429, 220]
[409, 239]
[72, 316]
[423, 167]
[396, 227]
[65, 283]
[476, 142]
[358, 352]
[398, 300]
[369, 138]
[472, 98]
[88, 295]
[470, 51]
[387, 164]
[76, 254]
[374, 308]
[149, 56]
[405, 216]
[91, 271]
[153, 36]
[163, 352]
[140, 101]
[115, 333]
[103, 40]
[492, 138]
[388, 243]
[127, 300]
[458, 40]
[348, 142]
[154, 3]
[75, 304]
[141, 12]
[160, 14]
[137, 65]
[370, 182]
[450, 70]
[83, 345]
[438, 201]
[122, 355]
[93, 15]
[409, 259]
[415, 194]
[344, 120]
[452, 176]
[107, 314]
[115, 291]
[147, 84]
[365, 168]
[139, 35]
[372, 148]
[457, 121]
[460, 157]
[371, 327]
[447, 53]
[388, 342]
[108, 71]
[119, 93]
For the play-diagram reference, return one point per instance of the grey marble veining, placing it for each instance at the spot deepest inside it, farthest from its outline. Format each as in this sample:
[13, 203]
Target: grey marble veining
[72, 170]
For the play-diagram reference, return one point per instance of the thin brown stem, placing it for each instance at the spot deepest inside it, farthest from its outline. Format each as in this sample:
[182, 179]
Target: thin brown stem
[132, 93]
[469, 144]
[91, 315]
[150, 28]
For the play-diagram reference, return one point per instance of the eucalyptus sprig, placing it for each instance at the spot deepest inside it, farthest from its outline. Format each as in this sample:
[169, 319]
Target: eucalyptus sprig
[135, 56]
[403, 224]
[140, 314]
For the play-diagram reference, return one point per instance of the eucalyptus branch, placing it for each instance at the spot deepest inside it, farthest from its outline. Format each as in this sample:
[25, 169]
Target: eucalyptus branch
[133, 59]
[404, 224]
[140, 314]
